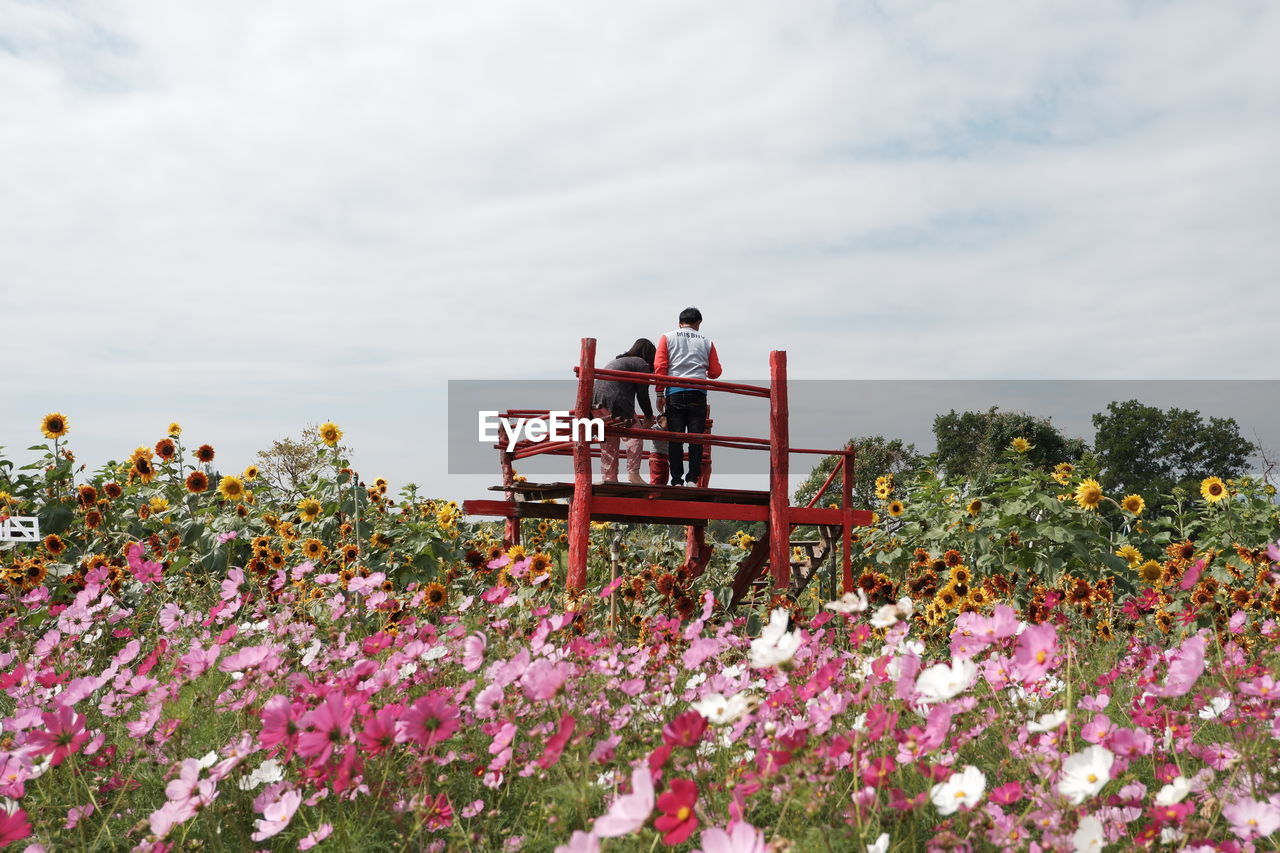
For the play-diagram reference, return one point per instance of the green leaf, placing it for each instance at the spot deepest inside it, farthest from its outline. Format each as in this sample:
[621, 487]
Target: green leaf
[54, 518]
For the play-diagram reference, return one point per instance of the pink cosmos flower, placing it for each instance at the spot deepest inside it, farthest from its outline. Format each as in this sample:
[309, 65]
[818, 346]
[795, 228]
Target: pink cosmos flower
[322, 832]
[1006, 794]
[1251, 818]
[543, 679]
[276, 815]
[379, 732]
[740, 837]
[1034, 655]
[437, 813]
[325, 727]
[580, 842]
[630, 811]
[1264, 687]
[231, 586]
[63, 734]
[1186, 667]
[13, 826]
[430, 720]
[279, 725]
[473, 648]
[557, 743]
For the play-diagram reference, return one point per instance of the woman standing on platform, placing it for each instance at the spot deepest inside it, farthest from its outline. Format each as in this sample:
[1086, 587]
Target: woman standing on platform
[617, 399]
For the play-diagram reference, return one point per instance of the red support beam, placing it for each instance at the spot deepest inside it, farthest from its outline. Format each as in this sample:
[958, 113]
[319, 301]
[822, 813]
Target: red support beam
[580, 505]
[846, 524]
[779, 470]
[511, 530]
[685, 382]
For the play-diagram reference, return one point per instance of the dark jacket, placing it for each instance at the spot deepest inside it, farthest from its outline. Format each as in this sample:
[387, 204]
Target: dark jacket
[620, 397]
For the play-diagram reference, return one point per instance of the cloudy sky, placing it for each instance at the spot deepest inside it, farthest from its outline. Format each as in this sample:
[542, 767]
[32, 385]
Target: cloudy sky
[250, 216]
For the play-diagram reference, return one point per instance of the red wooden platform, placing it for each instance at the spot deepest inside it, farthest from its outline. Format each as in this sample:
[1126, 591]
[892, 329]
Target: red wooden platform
[690, 506]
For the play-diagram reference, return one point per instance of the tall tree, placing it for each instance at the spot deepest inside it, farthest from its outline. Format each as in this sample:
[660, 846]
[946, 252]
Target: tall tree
[1148, 450]
[970, 443]
[875, 455]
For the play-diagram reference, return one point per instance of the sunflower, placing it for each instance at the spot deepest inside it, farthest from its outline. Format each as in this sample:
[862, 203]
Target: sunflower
[309, 509]
[205, 453]
[313, 549]
[896, 508]
[539, 564]
[175, 429]
[54, 425]
[54, 544]
[666, 584]
[960, 575]
[1089, 494]
[92, 519]
[166, 449]
[1130, 555]
[435, 594]
[1020, 445]
[947, 597]
[349, 552]
[952, 558]
[1133, 503]
[250, 474]
[1213, 489]
[516, 553]
[330, 434]
[87, 495]
[159, 504]
[142, 467]
[979, 597]
[197, 482]
[231, 488]
[287, 531]
[1014, 539]
[1062, 472]
[975, 507]
[1150, 571]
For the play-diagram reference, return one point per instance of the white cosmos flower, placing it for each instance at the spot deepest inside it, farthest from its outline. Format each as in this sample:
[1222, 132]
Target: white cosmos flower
[776, 644]
[1089, 836]
[721, 710]
[962, 789]
[435, 653]
[1217, 705]
[1174, 792]
[694, 680]
[942, 682]
[1047, 722]
[1084, 773]
[850, 602]
[891, 613]
[880, 845]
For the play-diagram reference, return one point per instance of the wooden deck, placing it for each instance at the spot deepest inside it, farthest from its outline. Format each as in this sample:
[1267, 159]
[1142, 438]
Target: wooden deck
[637, 504]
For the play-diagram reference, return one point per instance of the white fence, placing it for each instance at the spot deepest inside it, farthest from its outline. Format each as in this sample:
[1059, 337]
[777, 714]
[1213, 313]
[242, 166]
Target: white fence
[18, 528]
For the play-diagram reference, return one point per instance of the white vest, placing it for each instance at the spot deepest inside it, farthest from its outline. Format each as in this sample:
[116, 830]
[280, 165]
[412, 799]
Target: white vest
[688, 353]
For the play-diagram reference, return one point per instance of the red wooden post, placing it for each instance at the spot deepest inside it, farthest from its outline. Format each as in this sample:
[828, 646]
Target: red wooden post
[511, 531]
[846, 520]
[580, 504]
[779, 469]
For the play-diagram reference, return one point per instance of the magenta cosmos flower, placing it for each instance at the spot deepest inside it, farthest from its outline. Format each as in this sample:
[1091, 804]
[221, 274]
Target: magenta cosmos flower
[63, 734]
[430, 720]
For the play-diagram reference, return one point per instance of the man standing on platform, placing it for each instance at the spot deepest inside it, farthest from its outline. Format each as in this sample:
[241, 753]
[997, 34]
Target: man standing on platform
[686, 352]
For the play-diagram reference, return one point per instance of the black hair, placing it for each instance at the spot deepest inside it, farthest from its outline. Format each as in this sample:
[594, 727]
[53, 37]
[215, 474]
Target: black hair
[690, 316]
[642, 348]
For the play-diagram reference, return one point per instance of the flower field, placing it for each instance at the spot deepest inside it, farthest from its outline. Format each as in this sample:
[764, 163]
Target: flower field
[200, 660]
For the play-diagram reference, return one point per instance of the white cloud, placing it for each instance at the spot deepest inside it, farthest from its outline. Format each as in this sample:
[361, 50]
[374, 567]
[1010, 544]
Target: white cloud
[281, 212]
